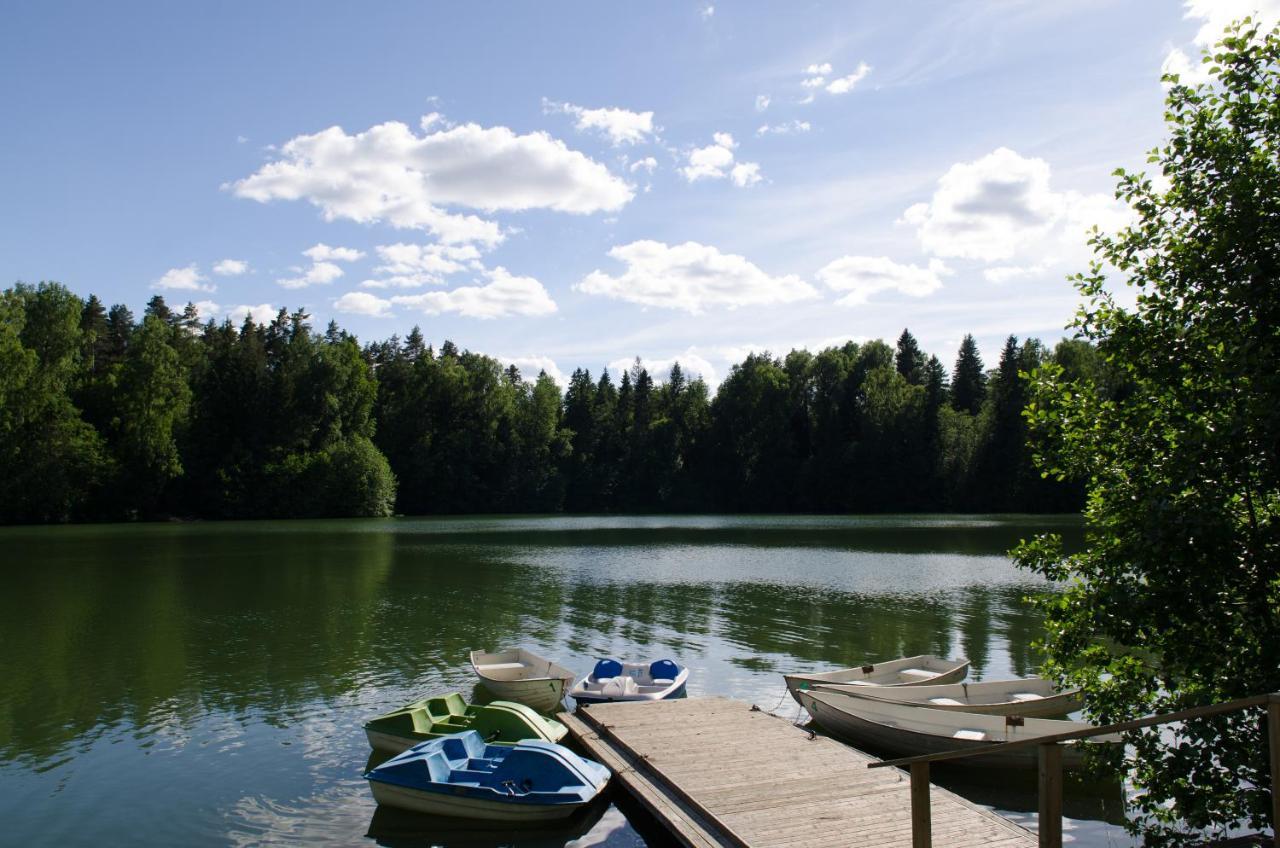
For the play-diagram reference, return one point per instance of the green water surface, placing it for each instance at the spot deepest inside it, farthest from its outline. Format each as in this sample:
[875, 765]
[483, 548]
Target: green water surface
[205, 684]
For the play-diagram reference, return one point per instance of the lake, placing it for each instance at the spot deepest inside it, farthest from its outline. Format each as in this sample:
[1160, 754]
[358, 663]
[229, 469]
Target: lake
[205, 684]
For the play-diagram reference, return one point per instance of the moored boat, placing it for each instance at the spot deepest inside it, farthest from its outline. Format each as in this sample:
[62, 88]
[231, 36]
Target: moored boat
[612, 680]
[520, 675]
[498, 723]
[907, 730]
[460, 776]
[1027, 696]
[905, 671]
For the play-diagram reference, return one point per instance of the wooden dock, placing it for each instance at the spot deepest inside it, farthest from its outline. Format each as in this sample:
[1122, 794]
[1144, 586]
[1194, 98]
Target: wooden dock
[715, 772]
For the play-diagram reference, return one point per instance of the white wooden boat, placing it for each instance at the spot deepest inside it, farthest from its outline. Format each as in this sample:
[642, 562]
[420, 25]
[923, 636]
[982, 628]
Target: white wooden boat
[907, 730]
[611, 680]
[519, 675]
[1027, 696]
[906, 671]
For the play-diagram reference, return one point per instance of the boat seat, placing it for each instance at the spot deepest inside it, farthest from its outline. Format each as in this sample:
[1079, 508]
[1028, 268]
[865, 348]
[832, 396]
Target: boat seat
[914, 674]
[663, 681]
[607, 668]
[499, 666]
[972, 735]
[946, 702]
[1026, 696]
[862, 683]
[664, 669]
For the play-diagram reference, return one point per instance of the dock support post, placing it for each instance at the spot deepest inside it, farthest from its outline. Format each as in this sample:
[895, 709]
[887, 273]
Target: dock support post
[1050, 795]
[1273, 747]
[921, 818]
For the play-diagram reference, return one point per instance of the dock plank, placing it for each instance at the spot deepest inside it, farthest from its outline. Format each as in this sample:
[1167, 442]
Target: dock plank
[716, 772]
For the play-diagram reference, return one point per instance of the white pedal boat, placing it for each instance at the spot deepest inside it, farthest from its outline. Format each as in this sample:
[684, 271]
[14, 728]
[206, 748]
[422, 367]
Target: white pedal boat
[906, 671]
[611, 680]
[522, 676]
[1027, 696]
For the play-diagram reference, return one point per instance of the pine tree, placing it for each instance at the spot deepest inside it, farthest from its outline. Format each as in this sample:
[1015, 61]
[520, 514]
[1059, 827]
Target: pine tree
[910, 359]
[968, 380]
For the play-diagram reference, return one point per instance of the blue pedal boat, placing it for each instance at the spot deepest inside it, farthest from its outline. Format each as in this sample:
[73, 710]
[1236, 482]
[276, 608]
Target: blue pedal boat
[611, 680]
[460, 776]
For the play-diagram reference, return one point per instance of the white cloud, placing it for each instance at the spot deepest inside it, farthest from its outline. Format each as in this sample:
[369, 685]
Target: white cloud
[388, 173]
[708, 11]
[363, 303]
[505, 294]
[859, 277]
[427, 263]
[691, 277]
[231, 268]
[263, 313]
[762, 102]
[845, 84]
[692, 363]
[745, 174]
[1001, 205]
[620, 126]
[1215, 16]
[648, 164]
[785, 128]
[814, 82]
[207, 309]
[320, 273]
[530, 366]
[824, 68]
[183, 279]
[717, 161]
[324, 253]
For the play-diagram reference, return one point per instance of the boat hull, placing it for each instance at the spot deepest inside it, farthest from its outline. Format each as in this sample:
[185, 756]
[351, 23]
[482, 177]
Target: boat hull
[797, 683]
[591, 698]
[891, 741]
[543, 694]
[458, 806]
[1049, 705]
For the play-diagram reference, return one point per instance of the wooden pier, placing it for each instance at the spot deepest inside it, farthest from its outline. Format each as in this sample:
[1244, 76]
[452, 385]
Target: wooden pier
[716, 772]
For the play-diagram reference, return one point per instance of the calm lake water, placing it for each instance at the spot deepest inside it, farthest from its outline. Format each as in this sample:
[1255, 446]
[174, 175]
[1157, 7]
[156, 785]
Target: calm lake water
[205, 684]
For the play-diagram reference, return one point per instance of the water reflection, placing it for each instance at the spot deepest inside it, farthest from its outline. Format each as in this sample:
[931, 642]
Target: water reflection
[226, 669]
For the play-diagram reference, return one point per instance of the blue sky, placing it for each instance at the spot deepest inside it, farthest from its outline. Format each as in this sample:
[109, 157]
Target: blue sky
[566, 185]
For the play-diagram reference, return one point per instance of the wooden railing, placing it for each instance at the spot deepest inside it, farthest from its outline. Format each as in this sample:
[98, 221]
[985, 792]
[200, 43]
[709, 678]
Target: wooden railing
[1050, 757]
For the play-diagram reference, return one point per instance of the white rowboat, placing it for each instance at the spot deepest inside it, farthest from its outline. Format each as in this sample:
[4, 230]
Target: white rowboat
[906, 730]
[1028, 696]
[907, 671]
[520, 675]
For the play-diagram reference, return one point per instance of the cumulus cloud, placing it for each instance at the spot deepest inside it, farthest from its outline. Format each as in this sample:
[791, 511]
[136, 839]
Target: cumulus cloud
[692, 277]
[529, 367]
[503, 295]
[188, 278]
[648, 164]
[320, 273]
[231, 267]
[717, 161]
[762, 102]
[692, 363]
[620, 126]
[389, 173]
[1002, 204]
[859, 277]
[785, 128]
[324, 253]
[263, 313]
[363, 303]
[820, 70]
[207, 309]
[845, 84]
[412, 265]
[1215, 16]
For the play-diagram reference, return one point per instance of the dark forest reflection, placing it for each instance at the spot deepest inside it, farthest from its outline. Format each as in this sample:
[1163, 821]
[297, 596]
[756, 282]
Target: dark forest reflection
[283, 637]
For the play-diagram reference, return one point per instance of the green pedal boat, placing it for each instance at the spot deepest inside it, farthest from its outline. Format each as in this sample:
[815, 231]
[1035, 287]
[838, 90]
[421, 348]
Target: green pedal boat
[498, 723]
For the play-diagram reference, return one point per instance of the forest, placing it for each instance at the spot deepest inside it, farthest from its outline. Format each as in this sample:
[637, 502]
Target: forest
[108, 417]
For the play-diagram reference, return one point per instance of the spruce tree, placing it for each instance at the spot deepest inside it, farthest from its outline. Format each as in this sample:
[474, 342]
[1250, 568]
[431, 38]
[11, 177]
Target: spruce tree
[968, 380]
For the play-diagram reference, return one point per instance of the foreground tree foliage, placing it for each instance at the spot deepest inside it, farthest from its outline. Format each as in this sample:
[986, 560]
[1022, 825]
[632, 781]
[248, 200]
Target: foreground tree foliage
[105, 417]
[1176, 601]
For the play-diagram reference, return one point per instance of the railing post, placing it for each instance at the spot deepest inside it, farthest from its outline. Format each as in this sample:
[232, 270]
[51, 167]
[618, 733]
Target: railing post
[921, 818]
[1050, 795]
[1273, 747]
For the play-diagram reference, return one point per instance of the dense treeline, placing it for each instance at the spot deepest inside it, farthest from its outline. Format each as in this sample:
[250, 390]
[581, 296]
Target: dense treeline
[104, 417]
